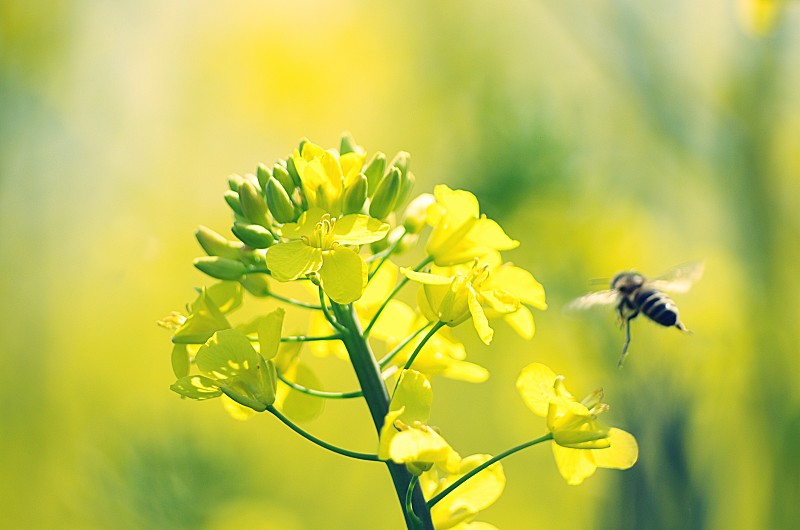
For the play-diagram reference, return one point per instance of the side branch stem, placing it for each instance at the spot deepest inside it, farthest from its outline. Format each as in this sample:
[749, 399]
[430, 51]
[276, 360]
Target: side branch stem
[321, 443]
[444, 493]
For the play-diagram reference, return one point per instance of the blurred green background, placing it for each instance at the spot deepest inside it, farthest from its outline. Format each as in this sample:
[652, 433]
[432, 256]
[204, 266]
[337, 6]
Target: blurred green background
[604, 134]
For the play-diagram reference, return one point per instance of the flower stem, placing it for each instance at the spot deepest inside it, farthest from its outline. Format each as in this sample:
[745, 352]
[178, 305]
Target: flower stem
[409, 506]
[334, 322]
[320, 393]
[448, 490]
[305, 338]
[436, 327]
[394, 292]
[377, 397]
[389, 356]
[383, 256]
[322, 443]
[292, 301]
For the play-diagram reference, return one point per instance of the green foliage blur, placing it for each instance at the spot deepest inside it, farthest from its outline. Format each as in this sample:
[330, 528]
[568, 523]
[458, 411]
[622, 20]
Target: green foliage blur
[605, 135]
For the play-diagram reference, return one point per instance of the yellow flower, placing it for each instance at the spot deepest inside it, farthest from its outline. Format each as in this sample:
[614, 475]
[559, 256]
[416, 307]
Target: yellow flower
[324, 175]
[460, 233]
[405, 437]
[455, 298]
[581, 443]
[321, 245]
[229, 365]
[457, 510]
[505, 282]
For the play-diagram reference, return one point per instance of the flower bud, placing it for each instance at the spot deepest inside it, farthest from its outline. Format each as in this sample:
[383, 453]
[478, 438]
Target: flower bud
[386, 195]
[400, 161]
[263, 174]
[348, 144]
[280, 173]
[416, 213]
[254, 207]
[374, 172]
[216, 245]
[406, 185]
[355, 194]
[256, 283]
[279, 202]
[255, 236]
[220, 268]
[232, 198]
[234, 181]
[292, 170]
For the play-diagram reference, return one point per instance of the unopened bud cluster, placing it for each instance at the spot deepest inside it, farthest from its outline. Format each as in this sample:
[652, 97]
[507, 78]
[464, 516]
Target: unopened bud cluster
[339, 182]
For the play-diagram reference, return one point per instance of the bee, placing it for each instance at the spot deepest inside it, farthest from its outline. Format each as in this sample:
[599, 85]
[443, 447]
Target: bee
[633, 293]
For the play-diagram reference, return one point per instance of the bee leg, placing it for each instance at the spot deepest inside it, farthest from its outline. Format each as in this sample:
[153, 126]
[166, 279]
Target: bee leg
[627, 343]
[683, 328]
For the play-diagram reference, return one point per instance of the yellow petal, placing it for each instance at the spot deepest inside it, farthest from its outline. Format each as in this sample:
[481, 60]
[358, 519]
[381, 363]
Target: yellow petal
[535, 383]
[235, 410]
[379, 286]
[269, 333]
[343, 275]
[522, 322]
[479, 319]
[426, 278]
[622, 454]
[520, 283]
[414, 396]
[318, 326]
[358, 229]
[487, 233]
[418, 445]
[289, 261]
[574, 464]
[394, 323]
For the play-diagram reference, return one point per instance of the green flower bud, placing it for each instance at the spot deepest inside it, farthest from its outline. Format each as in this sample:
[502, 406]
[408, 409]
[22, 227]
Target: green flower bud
[292, 170]
[348, 144]
[254, 208]
[263, 174]
[386, 195]
[406, 185]
[279, 202]
[255, 236]
[416, 213]
[220, 268]
[374, 172]
[280, 173]
[234, 181]
[355, 195]
[216, 245]
[256, 283]
[400, 161]
[232, 198]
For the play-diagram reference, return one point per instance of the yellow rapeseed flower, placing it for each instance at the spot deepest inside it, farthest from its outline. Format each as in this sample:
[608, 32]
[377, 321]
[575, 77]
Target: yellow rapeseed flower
[581, 443]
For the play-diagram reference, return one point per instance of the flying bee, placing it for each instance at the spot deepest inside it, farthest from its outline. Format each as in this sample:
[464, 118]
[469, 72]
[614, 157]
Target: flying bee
[634, 293]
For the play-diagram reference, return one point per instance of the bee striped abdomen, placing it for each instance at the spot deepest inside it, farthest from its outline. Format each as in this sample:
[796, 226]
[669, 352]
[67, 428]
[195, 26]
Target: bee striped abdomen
[657, 306]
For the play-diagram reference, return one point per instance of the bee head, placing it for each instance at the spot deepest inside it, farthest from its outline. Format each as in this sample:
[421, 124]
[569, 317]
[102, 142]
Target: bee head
[627, 282]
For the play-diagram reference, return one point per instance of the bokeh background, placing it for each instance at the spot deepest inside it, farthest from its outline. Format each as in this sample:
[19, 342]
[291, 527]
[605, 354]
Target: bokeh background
[604, 134]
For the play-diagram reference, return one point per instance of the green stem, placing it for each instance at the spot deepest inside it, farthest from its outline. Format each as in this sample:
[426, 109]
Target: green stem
[449, 489]
[304, 338]
[409, 505]
[393, 293]
[418, 349]
[436, 327]
[320, 393]
[383, 256]
[377, 397]
[321, 443]
[391, 355]
[328, 316]
[292, 301]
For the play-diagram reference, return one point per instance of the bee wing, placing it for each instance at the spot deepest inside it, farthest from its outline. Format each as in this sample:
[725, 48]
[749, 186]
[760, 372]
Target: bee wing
[681, 278]
[595, 299]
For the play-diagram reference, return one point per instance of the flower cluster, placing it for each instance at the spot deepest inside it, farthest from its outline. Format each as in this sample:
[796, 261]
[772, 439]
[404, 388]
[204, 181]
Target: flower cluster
[334, 222]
